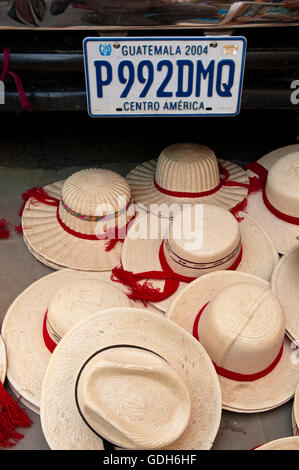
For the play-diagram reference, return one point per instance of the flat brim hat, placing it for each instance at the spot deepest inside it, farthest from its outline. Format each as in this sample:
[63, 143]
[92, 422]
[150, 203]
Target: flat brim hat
[78, 223]
[27, 352]
[285, 285]
[275, 206]
[187, 173]
[285, 443]
[145, 255]
[295, 413]
[262, 394]
[63, 425]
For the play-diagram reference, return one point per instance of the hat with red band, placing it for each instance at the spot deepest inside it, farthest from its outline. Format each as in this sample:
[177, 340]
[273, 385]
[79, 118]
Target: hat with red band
[78, 223]
[295, 413]
[241, 324]
[160, 256]
[285, 285]
[276, 204]
[285, 443]
[120, 375]
[188, 173]
[49, 308]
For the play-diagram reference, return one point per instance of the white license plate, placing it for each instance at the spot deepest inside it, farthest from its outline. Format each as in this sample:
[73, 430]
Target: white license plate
[164, 76]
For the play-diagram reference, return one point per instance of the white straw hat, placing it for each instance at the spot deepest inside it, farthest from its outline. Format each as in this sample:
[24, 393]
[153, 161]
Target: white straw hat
[76, 223]
[285, 443]
[226, 244]
[41, 315]
[188, 173]
[276, 205]
[241, 324]
[149, 407]
[285, 285]
[295, 413]
[3, 363]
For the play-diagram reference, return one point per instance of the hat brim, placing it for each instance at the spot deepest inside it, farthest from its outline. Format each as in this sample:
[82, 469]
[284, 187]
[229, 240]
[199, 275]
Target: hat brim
[144, 192]
[295, 413]
[286, 443]
[45, 237]
[260, 395]
[27, 354]
[259, 255]
[285, 285]
[283, 233]
[61, 423]
[3, 362]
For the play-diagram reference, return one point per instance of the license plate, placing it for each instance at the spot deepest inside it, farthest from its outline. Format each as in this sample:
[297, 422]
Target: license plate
[164, 76]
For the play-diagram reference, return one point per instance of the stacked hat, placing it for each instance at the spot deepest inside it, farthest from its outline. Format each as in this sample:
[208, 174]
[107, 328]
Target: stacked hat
[276, 205]
[285, 285]
[241, 325]
[295, 413]
[286, 443]
[78, 223]
[12, 416]
[160, 257]
[82, 408]
[42, 314]
[188, 173]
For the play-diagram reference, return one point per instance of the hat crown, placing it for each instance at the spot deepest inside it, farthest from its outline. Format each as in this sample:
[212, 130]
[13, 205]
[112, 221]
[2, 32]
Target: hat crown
[282, 187]
[242, 328]
[187, 167]
[79, 299]
[202, 238]
[133, 398]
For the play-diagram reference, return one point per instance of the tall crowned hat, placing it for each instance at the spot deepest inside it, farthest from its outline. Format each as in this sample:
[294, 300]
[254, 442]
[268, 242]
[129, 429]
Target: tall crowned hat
[119, 376]
[188, 173]
[160, 256]
[80, 222]
[276, 205]
[49, 308]
[241, 325]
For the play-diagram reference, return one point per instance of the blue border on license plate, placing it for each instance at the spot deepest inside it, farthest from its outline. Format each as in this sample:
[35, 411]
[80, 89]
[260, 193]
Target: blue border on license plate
[191, 71]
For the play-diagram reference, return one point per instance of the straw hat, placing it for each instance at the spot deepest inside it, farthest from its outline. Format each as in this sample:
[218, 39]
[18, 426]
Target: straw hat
[241, 324]
[295, 413]
[276, 206]
[285, 285]
[226, 244]
[187, 173]
[66, 296]
[71, 223]
[139, 352]
[286, 443]
[3, 363]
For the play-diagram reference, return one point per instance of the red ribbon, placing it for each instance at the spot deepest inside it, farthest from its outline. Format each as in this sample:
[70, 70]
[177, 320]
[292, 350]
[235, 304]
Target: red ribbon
[146, 292]
[5, 70]
[223, 182]
[236, 375]
[51, 345]
[263, 174]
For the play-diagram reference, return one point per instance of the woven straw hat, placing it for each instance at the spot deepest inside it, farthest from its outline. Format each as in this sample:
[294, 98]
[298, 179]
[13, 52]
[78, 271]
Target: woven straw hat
[139, 352]
[286, 443]
[241, 325]
[69, 225]
[285, 285]
[2, 361]
[276, 206]
[295, 413]
[187, 173]
[48, 308]
[227, 244]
